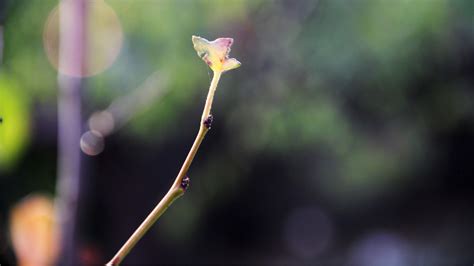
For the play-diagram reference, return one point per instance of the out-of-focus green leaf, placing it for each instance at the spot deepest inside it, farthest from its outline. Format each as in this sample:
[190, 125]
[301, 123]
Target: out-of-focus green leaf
[14, 130]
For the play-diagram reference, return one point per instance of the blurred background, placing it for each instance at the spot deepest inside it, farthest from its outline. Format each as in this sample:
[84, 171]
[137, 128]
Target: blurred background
[345, 138]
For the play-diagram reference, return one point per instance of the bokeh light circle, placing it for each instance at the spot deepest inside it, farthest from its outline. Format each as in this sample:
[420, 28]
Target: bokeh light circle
[34, 231]
[380, 248]
[102, 122]
[92, 143]
[104, 38]
[308, 232]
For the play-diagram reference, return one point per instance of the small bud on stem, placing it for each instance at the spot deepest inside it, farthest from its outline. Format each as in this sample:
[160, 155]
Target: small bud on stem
[208, 121]
[185, 183]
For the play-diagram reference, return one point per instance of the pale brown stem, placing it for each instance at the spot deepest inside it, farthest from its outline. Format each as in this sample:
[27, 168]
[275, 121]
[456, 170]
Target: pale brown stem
[176, 189]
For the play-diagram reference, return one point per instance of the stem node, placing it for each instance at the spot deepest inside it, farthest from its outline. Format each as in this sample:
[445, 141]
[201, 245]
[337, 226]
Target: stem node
[208, 121]
[185, 183]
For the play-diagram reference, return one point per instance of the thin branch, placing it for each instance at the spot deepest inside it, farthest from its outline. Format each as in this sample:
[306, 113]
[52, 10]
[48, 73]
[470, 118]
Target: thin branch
[180, 184]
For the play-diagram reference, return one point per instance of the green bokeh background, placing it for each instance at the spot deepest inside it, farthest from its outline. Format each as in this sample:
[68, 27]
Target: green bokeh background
[362, 110]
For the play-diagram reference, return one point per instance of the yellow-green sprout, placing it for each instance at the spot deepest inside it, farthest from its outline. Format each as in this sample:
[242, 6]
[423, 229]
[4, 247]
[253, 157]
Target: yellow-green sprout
[216, 53]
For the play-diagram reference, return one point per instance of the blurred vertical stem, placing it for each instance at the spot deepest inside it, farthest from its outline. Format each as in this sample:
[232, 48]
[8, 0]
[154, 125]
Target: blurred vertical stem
[180, 183]
[72, 36]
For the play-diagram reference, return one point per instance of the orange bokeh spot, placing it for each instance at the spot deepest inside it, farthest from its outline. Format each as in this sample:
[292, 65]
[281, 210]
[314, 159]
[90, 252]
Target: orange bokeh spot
[34, 231]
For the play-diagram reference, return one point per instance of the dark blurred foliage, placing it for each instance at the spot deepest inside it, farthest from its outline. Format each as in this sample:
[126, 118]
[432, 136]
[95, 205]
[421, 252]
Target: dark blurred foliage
[345, 138]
